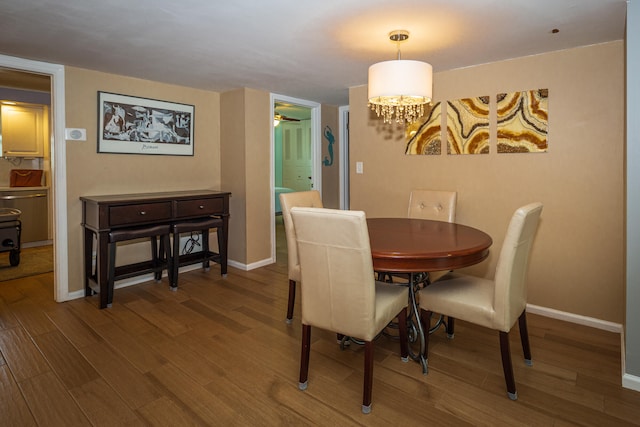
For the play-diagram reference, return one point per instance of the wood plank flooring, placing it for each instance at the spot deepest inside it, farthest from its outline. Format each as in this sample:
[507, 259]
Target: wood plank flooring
[218, 352]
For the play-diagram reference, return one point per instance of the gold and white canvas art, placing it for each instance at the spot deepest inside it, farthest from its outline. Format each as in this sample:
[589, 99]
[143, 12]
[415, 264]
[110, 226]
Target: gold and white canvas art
[468, 126]
[523, 121]
[424, 136]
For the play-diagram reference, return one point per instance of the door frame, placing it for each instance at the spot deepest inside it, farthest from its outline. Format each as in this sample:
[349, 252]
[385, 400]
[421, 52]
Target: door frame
[58, 190]
[316, 154]
[343, 124]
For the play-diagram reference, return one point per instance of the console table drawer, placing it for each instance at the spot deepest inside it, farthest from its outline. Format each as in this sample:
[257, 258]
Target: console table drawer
[199, 207]
[139, 213]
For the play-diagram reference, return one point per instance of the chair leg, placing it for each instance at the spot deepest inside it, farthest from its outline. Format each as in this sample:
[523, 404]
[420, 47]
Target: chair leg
[304, 357]
[425, 318]
[524, 338]
[404, 336]
[450, 325]
[292, 300]
[507, 367]
[368, 377]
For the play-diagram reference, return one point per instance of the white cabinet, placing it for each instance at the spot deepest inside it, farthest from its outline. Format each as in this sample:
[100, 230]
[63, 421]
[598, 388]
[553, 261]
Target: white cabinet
[23, 130]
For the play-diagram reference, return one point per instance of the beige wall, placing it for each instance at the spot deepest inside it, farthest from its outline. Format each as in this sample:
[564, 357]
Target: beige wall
[577, 261]
[330, 174]
[90, 173]
[245, 136]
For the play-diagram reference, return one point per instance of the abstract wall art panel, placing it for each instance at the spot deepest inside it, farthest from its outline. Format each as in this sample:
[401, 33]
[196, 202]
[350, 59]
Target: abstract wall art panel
[523, 121]
[424, 136]
[468, 126]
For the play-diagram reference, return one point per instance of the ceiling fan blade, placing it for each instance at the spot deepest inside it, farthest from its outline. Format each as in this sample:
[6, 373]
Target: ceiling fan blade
[278, 116]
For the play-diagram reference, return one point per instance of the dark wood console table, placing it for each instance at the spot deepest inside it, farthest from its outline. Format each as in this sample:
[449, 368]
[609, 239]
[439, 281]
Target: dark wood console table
[102, 214]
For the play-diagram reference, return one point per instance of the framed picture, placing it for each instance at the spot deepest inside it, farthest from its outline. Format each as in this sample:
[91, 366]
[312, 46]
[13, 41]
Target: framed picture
[131, 125]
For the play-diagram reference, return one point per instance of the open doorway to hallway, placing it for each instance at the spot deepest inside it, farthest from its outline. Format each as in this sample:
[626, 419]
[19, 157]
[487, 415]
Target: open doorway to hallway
[58, 188]
[25, 174]
[295, 152]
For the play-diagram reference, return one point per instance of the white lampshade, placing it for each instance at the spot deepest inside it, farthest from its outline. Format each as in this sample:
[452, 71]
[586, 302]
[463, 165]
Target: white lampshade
[400, 78]
[400, 83]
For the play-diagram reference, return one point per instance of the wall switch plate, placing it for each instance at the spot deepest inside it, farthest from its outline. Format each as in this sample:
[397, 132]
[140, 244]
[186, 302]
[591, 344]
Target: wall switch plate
[75, 134]
[359, 167]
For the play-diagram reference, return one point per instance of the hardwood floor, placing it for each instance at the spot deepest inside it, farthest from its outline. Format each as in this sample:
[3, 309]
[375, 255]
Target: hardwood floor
[218, 352]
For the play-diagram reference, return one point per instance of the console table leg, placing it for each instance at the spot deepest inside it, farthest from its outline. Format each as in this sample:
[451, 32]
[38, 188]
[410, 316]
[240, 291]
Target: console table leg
[223, 240]
[102, 266]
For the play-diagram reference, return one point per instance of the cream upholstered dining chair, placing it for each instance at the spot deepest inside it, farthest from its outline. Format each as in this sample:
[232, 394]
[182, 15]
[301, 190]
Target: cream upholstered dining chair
[339, 291]
[310, 199]
[439, 206]
[432, 204]
[497, 303]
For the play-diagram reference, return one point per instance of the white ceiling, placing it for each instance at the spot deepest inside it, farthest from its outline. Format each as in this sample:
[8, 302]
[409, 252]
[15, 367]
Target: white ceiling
[313, 50]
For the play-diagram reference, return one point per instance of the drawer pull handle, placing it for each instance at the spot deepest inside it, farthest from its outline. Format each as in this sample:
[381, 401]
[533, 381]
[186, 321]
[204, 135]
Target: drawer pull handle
[201, 207]
[143, 213]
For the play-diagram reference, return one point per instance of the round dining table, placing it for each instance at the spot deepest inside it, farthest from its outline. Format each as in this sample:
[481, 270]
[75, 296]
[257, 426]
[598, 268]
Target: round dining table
[412, 246]
[408, 245]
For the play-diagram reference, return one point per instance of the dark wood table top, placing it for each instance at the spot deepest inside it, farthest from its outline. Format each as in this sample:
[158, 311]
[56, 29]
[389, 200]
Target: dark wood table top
[405, 245]
[153, 196]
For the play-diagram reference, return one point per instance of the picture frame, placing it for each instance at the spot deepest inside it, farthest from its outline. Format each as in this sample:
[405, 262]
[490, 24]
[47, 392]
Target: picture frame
[134, 125]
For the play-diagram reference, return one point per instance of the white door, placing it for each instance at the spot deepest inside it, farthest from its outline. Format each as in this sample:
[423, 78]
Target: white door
[297, 155]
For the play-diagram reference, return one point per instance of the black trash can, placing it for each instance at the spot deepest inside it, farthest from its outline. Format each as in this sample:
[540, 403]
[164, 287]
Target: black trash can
[10, 230]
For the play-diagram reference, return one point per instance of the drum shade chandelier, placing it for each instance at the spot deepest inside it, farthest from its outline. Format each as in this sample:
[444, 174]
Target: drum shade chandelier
[400, 87]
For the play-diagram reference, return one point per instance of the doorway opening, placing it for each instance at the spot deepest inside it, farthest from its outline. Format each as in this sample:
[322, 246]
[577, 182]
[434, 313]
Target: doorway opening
[57, 166]
[295, 154]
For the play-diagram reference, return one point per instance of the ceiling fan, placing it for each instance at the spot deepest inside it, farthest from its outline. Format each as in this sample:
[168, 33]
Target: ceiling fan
[280, 117]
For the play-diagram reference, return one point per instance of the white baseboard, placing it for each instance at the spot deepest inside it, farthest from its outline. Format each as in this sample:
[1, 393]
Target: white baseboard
[75, 295]
[575, 318]
[252, 266]
[631, 382]
[133, 281]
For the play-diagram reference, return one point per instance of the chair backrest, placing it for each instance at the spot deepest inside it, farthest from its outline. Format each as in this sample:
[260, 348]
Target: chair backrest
[510, 295]
[309, 199]
[338, 292]
[432, 204]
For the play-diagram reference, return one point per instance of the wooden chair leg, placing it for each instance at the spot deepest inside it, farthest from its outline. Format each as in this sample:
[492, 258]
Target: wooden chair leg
[507, 367]
[404, 336]
[304, 357]
[368, 377]
[292, 300]
[450, 325]
[524, 338]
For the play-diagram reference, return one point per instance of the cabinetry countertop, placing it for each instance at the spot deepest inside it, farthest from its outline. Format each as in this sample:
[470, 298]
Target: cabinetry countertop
[23, 188]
